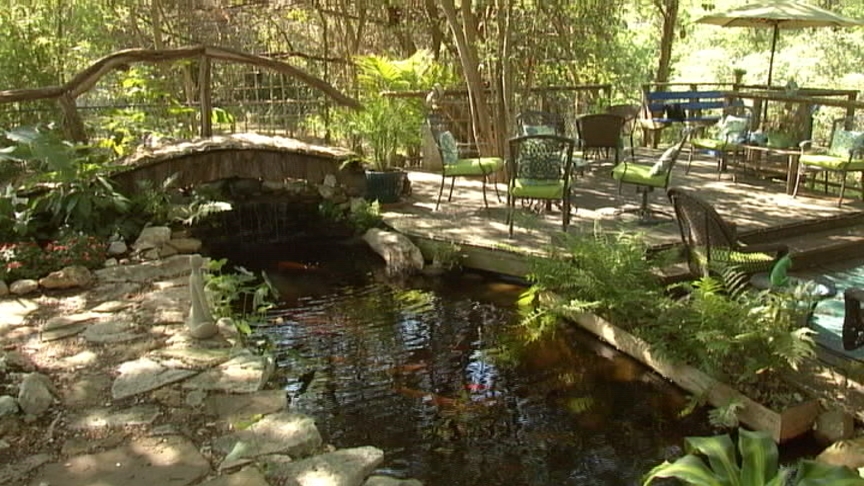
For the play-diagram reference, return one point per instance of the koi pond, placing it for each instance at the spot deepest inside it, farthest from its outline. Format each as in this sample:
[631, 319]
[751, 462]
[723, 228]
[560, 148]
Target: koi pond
[438, 373]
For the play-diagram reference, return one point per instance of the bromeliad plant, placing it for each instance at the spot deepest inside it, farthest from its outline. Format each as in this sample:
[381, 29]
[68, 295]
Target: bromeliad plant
[756, 463]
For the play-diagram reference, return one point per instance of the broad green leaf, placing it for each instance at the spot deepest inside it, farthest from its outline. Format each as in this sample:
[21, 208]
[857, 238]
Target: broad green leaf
[720, 452]
[26, 135]
[812, 473]
[689, 469]
[759, 457]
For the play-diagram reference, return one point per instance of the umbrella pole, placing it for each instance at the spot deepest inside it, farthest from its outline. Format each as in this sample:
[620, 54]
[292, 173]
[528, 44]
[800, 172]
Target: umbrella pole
[773, 48]
[770, 71]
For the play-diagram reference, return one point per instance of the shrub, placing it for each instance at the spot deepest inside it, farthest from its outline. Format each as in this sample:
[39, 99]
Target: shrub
[87, 251]
[29, 260]
[22, 260]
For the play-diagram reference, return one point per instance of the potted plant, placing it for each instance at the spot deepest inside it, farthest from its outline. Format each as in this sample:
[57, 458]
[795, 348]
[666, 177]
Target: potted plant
[382, 130]
[738, 74]
[388, 129]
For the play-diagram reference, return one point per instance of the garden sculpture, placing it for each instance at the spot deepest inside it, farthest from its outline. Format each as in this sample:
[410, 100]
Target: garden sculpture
[200, 321]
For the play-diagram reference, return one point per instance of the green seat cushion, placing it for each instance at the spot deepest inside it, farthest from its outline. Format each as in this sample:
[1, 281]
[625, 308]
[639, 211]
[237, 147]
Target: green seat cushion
[714, 144]
[638, 174]
[476, 166]
[537, 189]
[831, 162]
[746, 262]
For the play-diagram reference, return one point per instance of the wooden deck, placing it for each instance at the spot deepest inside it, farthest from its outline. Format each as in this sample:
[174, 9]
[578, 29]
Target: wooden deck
[811, 224]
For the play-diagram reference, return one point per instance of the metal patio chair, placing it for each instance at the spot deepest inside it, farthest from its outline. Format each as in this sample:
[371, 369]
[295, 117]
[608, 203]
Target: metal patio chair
[711, 244]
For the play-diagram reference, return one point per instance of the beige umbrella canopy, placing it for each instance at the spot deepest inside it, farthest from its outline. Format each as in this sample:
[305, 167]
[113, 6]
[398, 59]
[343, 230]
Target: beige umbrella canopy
[779, 14]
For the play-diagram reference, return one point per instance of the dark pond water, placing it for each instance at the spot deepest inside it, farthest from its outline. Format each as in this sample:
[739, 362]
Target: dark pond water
[438, 373]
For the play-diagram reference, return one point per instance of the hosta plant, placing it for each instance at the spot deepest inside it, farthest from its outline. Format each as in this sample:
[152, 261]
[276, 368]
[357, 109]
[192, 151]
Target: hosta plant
[713, 461]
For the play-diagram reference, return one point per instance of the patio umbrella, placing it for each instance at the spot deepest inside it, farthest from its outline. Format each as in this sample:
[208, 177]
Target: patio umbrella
[778, 14]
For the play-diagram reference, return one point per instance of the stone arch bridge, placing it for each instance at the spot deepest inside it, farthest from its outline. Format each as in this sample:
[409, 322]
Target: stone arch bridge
[274, 184]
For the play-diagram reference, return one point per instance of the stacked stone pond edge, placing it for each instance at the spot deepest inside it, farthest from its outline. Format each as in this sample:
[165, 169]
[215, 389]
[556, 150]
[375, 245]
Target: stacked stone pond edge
[130, 396]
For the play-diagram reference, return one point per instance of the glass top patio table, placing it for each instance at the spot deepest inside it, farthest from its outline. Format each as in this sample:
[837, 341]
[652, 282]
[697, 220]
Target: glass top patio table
[791, 155]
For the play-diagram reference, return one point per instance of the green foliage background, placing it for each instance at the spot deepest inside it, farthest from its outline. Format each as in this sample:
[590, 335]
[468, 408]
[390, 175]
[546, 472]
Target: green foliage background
[554, 43]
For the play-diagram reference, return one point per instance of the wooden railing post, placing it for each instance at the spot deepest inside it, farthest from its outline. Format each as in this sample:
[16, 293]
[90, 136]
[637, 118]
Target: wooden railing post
[850, 110]
[73, 126]
[204, 95]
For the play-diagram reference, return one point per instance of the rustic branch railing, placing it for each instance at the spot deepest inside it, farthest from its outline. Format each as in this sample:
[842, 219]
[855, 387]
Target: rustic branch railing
[85, 80]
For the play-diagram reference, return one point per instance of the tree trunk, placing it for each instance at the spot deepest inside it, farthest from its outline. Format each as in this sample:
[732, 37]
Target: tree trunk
[435, 32]
[465, 34]
[668, 10]
[507, 92]
[156, 22]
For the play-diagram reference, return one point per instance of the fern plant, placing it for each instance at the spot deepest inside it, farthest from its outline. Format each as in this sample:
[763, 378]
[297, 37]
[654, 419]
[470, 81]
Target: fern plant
[608, 273]
[721, 325]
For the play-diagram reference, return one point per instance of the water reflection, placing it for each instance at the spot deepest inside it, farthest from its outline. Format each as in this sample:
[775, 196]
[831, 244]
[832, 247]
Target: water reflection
[437, 373]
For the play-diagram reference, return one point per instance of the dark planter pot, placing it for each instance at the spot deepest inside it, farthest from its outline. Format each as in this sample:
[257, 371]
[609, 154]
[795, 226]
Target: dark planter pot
[385, 187]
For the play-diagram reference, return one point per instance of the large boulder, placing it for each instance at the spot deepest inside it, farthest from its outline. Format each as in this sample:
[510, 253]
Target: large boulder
[152, 237]
[402, 256]
[36, 394]
[67, 278]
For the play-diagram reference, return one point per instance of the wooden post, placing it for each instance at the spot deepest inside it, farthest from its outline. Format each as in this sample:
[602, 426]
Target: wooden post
[850, 110]
[73, 126]
[204, 97]
[757, 113]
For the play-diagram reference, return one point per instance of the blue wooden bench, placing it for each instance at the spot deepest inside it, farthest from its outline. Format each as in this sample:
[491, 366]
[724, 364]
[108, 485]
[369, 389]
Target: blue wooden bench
[695, 108]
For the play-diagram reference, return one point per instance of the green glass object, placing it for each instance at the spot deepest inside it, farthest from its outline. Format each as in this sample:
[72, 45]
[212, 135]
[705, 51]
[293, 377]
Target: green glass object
[778, 276]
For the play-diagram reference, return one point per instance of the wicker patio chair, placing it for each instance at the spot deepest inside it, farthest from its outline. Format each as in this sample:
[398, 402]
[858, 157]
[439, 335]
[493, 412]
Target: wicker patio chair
[630, 113]
[600, 132]
[853, 319]
[711, 244]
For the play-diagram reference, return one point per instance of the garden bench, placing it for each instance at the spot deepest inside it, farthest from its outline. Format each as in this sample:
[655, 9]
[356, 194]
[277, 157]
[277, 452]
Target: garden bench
[694, 107]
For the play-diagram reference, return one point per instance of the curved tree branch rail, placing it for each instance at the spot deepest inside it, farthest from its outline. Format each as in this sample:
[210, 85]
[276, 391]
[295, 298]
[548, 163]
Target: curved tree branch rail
[86, 79]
